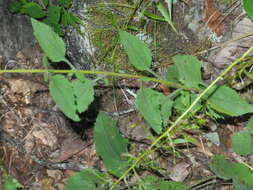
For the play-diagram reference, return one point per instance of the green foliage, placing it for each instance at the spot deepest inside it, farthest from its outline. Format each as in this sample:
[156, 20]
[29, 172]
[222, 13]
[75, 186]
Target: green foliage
[232, 106]
[186, 70]
[110, 145]
[154, 107]
[33, 10]
[242, 139]
[167, 13]
[250, 125]
[248, 7]
[53, 15]
[11, 183]
[241, 176]
[50, 42]
[138, 53]
[155, 183]
[71, 96]
[172, 185]
[85, 180]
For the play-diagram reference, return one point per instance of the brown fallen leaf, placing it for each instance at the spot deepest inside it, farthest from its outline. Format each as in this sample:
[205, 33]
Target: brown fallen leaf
[213, 18]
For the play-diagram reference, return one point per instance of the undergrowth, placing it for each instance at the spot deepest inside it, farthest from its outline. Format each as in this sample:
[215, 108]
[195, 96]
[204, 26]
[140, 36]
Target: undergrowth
[189, 99]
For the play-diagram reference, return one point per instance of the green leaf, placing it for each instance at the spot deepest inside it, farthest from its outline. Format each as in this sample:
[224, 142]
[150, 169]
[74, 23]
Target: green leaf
[85, 180]
[148, 183]
[33, 10]
[248, 7]
[166, 15]
[225, 100]
[110, 145]
[172, 185]
[62, 92]
[186, 70]
[11, 183]
[221, 167]
[45, 2]
[84, 94]
[54, 14]
[154, 107]
[50, 42]
[250, 125]
[242, 177]
[242, 143]
[15, 6]
[138, 53]
[65, 3]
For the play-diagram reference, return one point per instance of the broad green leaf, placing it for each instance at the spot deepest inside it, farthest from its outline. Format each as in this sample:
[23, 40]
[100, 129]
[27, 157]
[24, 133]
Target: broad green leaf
[242, 177]
[11, 183]
[84, 94]
[15, 6]
[154, 107]
[62, 92]
[50, 42]
[54, 14]
[242, 143]
[248, 7]
[110, 145]
[186, 70]
[250, 125]
[172, 185]
[33, 10]
[138, 52]
[225, 100]
[86, 180]
[221, 167]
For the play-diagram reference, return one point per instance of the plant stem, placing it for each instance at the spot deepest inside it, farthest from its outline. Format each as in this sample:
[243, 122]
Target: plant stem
[166, 133]
[107, 73]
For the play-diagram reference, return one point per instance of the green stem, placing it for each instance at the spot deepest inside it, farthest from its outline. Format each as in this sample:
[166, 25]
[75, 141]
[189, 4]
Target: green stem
[107, 73]
[166, 133]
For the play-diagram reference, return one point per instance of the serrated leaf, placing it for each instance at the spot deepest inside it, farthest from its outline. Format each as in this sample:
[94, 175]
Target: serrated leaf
[85, 180]
[84, 94]
[172, 185]
[154, 107]
[248, 7]
[62, 92]
[221, 167]
[242, 143]
[15, 6]
[250, 125]
[33, 10]
[186, 70]
[110, 145]
[50, 42]
[225, 100]
[138, 52]
[54, 14]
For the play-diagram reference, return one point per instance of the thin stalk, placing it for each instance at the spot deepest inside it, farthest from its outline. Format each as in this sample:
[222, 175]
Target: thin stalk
[106, 73]
[166, 133]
